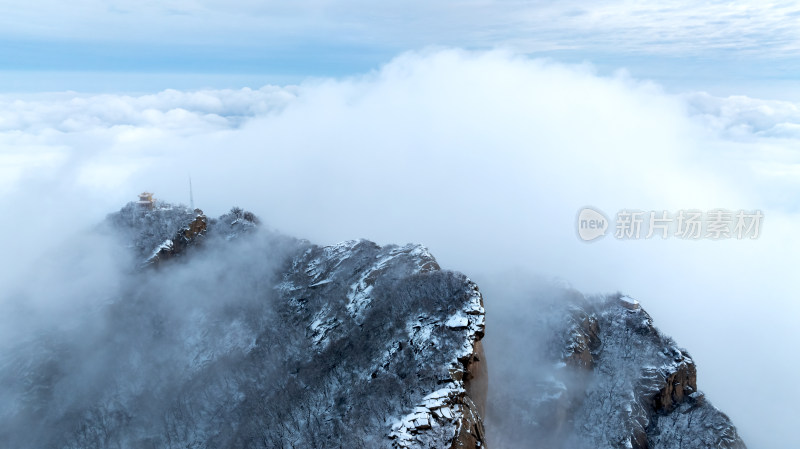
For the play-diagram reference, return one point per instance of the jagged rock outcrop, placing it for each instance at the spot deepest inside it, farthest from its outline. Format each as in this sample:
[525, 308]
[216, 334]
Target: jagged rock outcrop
[184, 238]
[439, 340]
[255, 340]
[162, 231]
[610, 379]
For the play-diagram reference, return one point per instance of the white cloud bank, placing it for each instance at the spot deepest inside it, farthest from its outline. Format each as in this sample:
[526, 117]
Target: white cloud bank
[484, 157]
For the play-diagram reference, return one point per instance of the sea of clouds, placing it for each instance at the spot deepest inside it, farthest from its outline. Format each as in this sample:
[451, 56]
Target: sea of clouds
[485, 157]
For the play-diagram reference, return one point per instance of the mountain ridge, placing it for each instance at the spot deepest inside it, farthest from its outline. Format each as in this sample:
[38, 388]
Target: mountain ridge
[227, 334]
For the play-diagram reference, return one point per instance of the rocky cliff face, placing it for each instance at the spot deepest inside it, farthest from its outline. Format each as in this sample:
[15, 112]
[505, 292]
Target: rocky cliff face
[162, 231]
[411, 322]
[607, 379]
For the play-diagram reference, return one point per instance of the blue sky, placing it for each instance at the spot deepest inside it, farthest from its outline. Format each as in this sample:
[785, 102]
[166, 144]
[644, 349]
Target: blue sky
[93, 45]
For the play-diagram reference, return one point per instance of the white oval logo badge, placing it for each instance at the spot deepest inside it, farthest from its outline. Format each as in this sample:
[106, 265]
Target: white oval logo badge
[592, 224]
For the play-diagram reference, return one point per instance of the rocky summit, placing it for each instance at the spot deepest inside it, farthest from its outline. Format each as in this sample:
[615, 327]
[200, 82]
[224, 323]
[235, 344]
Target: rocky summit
[596, 373]
[225, 334]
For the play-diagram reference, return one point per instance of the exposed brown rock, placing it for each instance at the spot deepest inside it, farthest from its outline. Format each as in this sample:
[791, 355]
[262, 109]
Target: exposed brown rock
[677, 386]
[184, 238]
[477, 379]
[584, 340]
[471, 434]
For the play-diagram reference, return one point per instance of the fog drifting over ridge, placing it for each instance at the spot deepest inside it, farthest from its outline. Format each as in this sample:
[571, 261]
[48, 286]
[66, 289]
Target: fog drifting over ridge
[485, 158]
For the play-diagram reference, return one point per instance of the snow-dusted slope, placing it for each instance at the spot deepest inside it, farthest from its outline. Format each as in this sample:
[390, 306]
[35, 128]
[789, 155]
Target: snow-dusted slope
[406, 323]
[606, 378]
[163, 230]
[241, 339]
[226, 335]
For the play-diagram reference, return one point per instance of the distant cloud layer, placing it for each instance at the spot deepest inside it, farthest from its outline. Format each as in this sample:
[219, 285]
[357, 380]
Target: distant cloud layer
[744, 118]
[485, 157]
[677, 39]
[673, 27]
[72, 112]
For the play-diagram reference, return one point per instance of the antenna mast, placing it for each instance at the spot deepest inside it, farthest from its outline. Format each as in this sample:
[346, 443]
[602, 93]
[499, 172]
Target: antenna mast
[191, 195]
